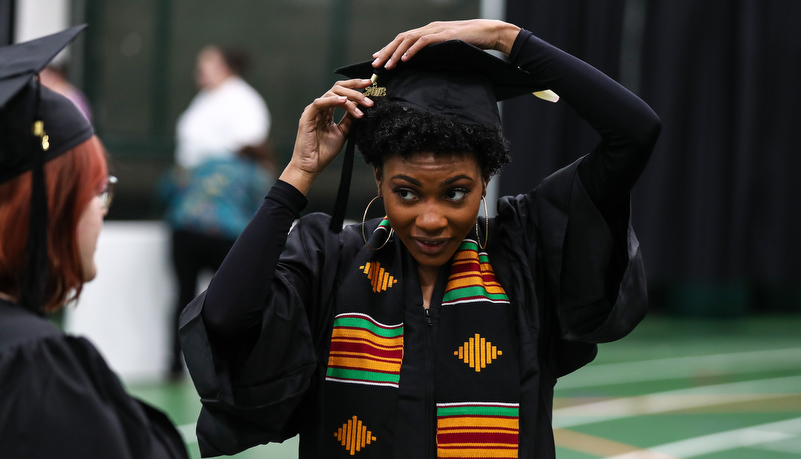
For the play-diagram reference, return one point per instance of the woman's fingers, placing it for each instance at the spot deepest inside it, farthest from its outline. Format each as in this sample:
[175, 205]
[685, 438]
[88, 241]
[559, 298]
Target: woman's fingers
[483, 33]
[319, 139]
[407, 44]
[344, 94]
[351, 91]
[394, 51]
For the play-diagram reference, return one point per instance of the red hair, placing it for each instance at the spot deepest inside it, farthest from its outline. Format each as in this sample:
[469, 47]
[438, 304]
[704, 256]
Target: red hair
[73, 180]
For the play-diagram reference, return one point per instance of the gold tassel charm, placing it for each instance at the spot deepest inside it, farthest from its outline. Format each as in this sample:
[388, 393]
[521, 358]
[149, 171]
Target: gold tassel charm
[38, 131]
[374, 90]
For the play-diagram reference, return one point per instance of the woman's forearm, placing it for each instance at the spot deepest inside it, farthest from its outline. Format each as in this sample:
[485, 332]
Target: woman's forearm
[239, 291]
[627, 125]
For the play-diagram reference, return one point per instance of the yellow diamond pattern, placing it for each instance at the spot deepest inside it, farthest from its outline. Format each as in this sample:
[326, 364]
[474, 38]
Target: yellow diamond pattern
[354, 436]
[477, 352]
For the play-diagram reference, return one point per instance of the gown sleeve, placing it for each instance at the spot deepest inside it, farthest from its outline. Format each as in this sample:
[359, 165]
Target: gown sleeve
[577, 221]
[249, 340]
[60, 399]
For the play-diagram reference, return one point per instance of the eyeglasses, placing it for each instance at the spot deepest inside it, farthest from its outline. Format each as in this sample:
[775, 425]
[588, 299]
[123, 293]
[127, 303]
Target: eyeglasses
[107, 195]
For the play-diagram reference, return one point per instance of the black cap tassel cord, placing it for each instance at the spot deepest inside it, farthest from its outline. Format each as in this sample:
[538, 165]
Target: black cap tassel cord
[341, 204]
[33, 278]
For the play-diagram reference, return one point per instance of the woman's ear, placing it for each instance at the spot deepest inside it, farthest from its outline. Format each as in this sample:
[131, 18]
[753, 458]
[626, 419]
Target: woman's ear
[378, 179]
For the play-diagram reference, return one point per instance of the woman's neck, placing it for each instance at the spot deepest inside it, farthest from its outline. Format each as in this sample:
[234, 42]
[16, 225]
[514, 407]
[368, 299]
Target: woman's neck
[428, 278]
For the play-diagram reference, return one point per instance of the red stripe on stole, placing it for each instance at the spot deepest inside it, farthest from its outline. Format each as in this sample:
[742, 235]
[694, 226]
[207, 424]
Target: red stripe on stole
[509, 430]
[471, 437]
[465, 267]
[364, 348]
[370, 342]
[488, 277]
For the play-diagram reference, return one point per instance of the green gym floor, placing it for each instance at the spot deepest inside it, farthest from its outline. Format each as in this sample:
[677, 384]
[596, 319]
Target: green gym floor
[675, 388]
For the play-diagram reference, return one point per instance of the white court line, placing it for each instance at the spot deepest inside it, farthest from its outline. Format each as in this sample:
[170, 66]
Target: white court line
[674, 400]
[187, 431]
[722, 441]
[660, 402]
[682, 367]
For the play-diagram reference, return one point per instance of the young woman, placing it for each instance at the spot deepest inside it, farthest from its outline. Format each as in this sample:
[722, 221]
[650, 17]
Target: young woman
[60, 399]
[432, 332]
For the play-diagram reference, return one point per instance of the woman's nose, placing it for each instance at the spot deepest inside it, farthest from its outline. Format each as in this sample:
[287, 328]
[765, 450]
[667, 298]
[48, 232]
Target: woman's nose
[431, 219]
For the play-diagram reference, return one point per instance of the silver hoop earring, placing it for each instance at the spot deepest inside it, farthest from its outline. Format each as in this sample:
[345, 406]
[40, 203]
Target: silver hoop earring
[486, 226]
[364, 237]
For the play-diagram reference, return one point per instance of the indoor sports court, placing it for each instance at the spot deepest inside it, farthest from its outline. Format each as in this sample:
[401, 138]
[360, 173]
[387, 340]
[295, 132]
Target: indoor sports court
[676, 388]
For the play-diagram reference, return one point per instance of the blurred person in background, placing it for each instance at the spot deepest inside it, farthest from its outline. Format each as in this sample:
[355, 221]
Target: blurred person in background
[54, 76]
[60, 399]
[226, 115]
[208, 206]
[224, 171]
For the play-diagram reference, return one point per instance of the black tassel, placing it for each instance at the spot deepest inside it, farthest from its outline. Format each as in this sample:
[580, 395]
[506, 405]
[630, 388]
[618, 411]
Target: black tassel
[341, 204]
[33, 277]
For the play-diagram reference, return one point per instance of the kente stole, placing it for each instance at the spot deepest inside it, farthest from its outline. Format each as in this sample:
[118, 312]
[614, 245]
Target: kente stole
[476, 378]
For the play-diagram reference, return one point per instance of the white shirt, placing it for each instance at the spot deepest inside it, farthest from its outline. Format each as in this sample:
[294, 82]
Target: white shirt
[220, 121]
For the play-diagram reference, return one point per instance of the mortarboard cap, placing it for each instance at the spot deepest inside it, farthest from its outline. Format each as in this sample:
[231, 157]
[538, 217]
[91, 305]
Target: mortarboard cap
[453, 79]
[36, 125]
[23, 101]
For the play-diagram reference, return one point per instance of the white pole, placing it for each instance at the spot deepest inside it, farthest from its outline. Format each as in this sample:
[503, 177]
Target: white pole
[37, 18]
[493, 9]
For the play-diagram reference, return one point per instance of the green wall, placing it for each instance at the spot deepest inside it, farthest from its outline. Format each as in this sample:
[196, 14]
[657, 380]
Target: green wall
[138, 72]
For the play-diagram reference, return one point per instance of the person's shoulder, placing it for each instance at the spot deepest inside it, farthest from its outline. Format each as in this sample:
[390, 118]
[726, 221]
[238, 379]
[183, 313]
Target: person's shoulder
[315, 226]
[18, 325]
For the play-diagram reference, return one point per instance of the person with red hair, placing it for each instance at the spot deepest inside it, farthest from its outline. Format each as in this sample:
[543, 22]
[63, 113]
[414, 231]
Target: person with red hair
[74, 179]
[60, 399]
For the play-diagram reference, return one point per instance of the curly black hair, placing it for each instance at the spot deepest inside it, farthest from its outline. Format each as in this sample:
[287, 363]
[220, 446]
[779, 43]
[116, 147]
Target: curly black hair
[390, 127]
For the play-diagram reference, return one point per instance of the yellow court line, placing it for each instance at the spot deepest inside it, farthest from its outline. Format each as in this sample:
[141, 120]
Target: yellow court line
[600, 374]
[597, 446]
[789, 429]
[674, 400]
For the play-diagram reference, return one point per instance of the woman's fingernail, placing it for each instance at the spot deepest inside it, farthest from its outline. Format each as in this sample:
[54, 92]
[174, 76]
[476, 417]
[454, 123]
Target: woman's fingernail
[359, 112]
[368, 101]
[375, 61]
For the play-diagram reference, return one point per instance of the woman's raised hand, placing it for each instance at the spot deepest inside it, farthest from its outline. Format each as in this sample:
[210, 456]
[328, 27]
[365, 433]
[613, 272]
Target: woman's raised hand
[482, 33]
[319, 138]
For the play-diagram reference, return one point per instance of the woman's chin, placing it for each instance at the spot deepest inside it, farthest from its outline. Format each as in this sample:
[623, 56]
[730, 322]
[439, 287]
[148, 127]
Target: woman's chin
[89, 273]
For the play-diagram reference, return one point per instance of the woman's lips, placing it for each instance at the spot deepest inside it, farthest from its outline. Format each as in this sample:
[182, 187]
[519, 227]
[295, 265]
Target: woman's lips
[430, 247]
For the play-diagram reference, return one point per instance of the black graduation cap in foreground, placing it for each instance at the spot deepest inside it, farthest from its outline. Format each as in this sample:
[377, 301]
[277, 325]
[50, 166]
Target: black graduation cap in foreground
[36, 125]
[453, 79]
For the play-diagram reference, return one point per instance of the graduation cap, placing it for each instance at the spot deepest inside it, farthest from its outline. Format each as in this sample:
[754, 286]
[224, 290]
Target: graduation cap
[453, 79]
[36, 125]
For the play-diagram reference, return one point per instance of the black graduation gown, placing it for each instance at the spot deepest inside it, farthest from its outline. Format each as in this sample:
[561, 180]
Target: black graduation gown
[60, 399]
[573, 274]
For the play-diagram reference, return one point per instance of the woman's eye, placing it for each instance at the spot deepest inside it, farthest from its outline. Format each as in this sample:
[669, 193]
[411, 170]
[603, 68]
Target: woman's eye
[455, 195]
[405, 195]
